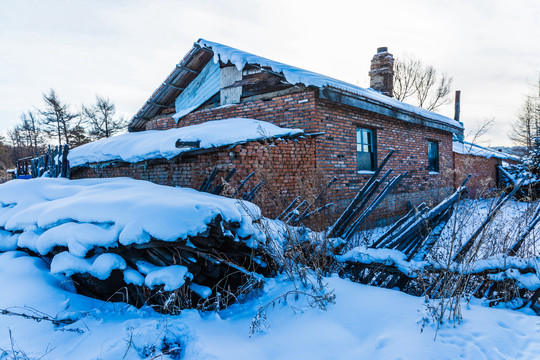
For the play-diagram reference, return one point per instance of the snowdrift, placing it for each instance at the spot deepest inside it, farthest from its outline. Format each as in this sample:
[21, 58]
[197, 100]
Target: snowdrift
[132, 233]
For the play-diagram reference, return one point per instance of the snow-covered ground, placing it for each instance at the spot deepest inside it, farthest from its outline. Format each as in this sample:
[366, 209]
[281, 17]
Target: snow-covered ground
[364, 323]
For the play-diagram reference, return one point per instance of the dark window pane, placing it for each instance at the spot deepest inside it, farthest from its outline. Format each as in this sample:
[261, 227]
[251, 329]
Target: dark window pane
[433, 156]
[365, 149]
[364, 161]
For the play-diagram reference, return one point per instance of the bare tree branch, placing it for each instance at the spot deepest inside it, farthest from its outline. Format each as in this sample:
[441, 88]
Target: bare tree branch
[100, 118]
[415, 80]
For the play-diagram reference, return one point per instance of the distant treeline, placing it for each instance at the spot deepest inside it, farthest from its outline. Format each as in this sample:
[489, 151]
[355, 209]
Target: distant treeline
[55, 123]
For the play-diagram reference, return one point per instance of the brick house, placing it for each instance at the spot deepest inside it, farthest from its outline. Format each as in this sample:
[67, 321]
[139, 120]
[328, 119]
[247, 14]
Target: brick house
[348, 129]
[482, 163]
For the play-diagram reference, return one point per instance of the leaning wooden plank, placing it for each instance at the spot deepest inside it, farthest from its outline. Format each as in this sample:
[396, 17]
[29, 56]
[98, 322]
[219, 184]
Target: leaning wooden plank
[429, 216]
[507, 175]
[208, 181]
[386, 190]
[319, 209]
[251, 195]
[359, 205]
[534, 221]
[420, 253]
[243, 183]
[481, 229]
[294, 212]
[219, 188]
[286, 211]
[346, 214]
[65, 164]
[375, 186]
[402, 223]
[321, 193]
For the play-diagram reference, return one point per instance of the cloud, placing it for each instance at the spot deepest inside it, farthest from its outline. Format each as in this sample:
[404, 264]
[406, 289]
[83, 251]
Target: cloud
[124, 49]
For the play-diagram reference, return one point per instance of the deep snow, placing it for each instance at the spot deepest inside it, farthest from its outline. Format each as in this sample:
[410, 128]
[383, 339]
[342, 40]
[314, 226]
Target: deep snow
[364, 323]
[82, 215]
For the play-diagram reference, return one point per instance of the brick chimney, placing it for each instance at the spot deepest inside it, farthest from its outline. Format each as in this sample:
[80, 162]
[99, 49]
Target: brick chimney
[382, 72]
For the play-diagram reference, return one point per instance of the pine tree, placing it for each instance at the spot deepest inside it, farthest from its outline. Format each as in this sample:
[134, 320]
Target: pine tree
[57, 119]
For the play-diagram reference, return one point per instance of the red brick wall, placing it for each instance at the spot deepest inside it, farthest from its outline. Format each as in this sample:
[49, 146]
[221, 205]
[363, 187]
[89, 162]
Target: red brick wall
[336, 150]
[291, 111]
[281, 163]
[334, 153]
[483, 171]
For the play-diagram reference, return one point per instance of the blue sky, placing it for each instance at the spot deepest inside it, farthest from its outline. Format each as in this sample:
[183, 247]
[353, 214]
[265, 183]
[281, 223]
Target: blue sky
[124, 49]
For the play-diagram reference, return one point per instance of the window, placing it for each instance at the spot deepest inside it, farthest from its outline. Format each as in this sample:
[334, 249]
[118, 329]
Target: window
[365, 149]
[433, 156]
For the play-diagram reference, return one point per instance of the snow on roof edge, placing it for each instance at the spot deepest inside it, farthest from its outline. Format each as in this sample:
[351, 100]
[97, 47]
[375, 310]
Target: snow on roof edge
[467, 148]
[296, 75]
[155, 144]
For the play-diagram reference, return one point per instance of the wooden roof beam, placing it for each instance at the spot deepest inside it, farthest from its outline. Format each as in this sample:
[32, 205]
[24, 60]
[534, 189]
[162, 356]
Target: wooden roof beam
[173, 86]
[156, 104]
[179, 66]
[203, 48]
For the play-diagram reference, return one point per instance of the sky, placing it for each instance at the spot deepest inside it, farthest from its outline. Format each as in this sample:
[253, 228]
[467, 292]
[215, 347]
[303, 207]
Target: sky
[124, 49]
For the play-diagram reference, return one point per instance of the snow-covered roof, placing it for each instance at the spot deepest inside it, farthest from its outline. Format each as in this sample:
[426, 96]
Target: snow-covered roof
[201, 54]
[296, 75]
[155, 144]
[467, 148]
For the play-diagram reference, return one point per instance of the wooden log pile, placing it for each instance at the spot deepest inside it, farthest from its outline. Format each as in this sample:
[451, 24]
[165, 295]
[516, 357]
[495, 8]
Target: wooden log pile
[214, 259]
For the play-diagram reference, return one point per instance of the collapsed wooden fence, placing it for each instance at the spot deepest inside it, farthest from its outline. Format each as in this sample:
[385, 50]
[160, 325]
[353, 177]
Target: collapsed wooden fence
[53, 163]
[500, 278]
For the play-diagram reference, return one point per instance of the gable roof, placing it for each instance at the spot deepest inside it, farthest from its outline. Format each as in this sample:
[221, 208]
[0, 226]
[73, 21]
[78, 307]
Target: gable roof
[331, 89]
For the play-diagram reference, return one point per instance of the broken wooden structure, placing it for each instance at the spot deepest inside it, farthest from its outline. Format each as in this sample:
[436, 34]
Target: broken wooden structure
[530, 183]
[501, 279]
[24, 168]
[53, 163]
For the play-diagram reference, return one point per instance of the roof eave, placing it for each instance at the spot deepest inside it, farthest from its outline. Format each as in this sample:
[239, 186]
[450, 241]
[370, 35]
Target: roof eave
[365, 103]
[173, 84]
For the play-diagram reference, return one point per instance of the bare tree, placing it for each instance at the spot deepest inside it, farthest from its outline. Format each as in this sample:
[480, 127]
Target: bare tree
[19, 148]
[474, 136]
[31, 132]
[526, 126]
[57, 119]
[101, 120]
[25, 138]
[415, 80]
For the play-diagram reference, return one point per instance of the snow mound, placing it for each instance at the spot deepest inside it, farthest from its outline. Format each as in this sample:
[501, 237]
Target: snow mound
[364, 323]
[154, 144]
[82, 215]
